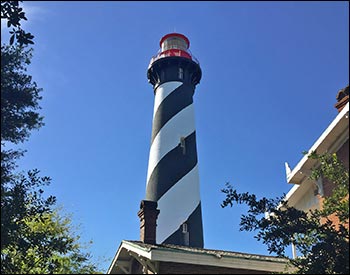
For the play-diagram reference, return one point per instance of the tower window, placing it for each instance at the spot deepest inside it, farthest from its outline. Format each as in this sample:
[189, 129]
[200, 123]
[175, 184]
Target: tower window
[183, 145]
[185, 234]
[181, 73]
[184, 228]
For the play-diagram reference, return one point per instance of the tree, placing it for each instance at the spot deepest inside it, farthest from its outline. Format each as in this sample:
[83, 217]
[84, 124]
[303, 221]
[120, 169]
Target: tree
[11, 11]
[324, 246]
[19, 96]
[35, 237]
[333, 170]
[57, 253]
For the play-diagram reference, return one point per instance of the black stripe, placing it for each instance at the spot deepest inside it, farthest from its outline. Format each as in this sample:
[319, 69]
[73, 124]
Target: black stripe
[194, 227]
[179, 99]
[171, 168]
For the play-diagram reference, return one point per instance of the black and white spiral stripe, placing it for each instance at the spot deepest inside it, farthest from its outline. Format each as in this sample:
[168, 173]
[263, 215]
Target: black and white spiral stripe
[172, 178]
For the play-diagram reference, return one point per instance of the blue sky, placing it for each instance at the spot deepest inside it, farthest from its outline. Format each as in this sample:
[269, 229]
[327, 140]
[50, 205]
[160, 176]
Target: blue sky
[271, 71]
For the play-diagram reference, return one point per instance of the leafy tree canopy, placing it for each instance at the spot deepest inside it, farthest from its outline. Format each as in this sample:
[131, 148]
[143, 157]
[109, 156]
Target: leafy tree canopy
[35, 237]
[47, 246]
[13, 14]
[19, 96]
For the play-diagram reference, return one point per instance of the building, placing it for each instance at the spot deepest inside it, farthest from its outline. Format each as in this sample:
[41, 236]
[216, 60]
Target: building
[148, 257]
[307, 194]
[135, 257]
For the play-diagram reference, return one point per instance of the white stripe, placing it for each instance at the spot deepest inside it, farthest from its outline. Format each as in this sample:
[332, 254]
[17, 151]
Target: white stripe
[163, 91]
[181, 125]
[177, 204]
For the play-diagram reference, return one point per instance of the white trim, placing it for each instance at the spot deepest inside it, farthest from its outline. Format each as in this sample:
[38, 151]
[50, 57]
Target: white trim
[292, 191]
[330, 141]
[228, 259]
[218, 260]
[118, 255]
[324, 143]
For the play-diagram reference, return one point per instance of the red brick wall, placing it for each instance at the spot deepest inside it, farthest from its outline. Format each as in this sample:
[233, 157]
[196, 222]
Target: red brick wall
[343, 155]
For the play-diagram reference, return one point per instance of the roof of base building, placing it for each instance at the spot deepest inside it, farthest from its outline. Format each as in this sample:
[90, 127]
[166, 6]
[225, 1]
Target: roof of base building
[212, 252]
[197, 256]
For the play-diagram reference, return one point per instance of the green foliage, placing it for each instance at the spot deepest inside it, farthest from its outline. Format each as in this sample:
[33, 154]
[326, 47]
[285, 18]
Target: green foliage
[35, 237]
[324, 246]
[19, 96]
[50, 248]
[21, 197]
[333, 170]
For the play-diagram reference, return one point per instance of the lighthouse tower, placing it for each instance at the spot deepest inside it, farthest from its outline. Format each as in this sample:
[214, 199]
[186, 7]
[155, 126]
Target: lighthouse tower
[172, 178]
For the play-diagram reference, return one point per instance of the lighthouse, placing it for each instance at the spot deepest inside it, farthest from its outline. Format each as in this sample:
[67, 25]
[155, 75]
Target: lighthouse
[172, 177]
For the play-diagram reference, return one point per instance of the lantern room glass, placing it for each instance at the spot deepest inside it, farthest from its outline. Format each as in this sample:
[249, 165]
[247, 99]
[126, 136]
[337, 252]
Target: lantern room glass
[174, 43]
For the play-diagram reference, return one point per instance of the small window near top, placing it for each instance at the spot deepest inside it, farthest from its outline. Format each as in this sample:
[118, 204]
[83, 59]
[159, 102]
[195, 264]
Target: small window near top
[181, 73]
[184, 228]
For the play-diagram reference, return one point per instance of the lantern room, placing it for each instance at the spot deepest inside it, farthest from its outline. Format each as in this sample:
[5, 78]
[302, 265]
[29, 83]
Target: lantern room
[174, 44]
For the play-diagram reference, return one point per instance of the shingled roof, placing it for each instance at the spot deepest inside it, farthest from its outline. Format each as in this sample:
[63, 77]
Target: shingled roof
[152, 253]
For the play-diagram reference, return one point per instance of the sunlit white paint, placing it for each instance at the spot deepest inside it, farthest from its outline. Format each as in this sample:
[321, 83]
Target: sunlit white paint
[177, 204]
[181, 125]
[163, 91]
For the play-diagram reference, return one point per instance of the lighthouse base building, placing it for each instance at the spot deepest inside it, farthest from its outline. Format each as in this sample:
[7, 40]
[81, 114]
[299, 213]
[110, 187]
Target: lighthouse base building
[148, 257]
[137, 257]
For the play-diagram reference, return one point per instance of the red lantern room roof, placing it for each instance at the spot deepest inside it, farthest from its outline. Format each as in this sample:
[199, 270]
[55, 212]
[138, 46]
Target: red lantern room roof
[174, 34]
